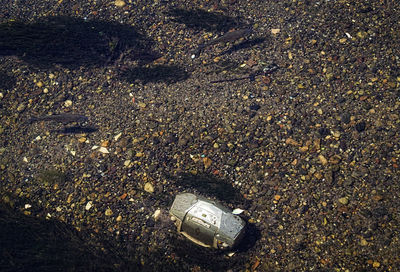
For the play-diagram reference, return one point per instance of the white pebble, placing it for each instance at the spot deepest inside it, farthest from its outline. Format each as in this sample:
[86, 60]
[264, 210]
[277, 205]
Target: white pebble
[156, 214]
[275, 30]
[103, 150]
[88, 205]
[148, 187]
[116, 137]
[237, 211]
[68, 103]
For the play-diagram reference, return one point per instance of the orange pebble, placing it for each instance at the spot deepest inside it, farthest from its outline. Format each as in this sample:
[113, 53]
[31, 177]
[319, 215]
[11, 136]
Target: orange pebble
[122, 197]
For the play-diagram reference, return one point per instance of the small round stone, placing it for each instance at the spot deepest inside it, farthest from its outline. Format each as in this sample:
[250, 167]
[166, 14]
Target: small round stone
[148, 187]
[68, 103]
[119, 3]
[108, 212]
[343, 200]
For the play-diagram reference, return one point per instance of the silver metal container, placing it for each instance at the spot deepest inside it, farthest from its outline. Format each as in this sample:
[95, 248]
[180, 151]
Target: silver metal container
[206, 222]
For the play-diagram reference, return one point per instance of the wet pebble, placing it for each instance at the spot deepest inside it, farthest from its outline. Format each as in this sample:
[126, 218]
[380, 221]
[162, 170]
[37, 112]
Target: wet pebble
[182, 141]
[323, 131]
[254, 107]
[148, 187]
[108, 212]
[68, 103]
[322, 159]
[21, 107]
[103, 150]
[88, 205]
[343, 200]
[345, 118]
[119, 3]
[360, 126]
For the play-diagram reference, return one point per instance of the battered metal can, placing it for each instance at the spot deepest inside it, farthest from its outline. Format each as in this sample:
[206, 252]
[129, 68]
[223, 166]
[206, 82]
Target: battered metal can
[206, 222]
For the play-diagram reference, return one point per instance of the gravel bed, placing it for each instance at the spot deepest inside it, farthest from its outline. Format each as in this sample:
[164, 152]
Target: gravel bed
[297, 124]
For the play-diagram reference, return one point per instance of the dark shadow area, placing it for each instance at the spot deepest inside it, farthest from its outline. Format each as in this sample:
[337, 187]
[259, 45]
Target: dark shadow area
[251, 235]
[31, 243]
[210, 186]
[213, 259]
[206, 258]
[36, 244]
[6, 81]
[76, 130]
[201, 19]
[243, 45]
[159, 73]
[72, 42]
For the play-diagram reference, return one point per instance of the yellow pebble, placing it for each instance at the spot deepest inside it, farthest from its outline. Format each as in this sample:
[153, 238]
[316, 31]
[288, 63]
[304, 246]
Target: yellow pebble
[364, 242]
[119, 3]
[376, 264]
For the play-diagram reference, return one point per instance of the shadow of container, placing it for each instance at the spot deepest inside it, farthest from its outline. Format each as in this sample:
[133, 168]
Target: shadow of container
[211, 186]
[210, 259]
